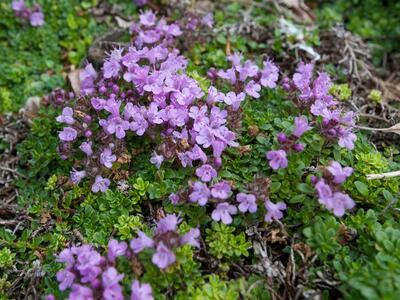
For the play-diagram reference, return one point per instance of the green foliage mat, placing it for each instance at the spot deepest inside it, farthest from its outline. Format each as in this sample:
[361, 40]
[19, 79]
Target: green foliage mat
[357, 256]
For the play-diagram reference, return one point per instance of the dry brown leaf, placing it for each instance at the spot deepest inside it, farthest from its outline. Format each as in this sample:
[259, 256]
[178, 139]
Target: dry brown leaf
[45, 217]
[123, 23]
[393, 129]
[124, 158]
[75, 81]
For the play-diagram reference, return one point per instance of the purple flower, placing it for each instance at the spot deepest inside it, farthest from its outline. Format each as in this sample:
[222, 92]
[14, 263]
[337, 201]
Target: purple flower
[110, 277]
[347, 141]
[339, 174]
[214, 96]
[174, 198]
[141, 291]
[321, 85]
[252, 89]
[247, 202]
[303, 75]
[111, 68]
[191, 238]
[65, 278]
[223, 212]
[68, 134]
[301, 126]
[206, 173]
[141, 242]
[208, 20]
[66, 256]
[221, 190]
[234, 100]
[277, 159]
[107, 158]
[299, 147]
[98, 103]
[80, 292]
[18, 5]
[338, 203]
[77, 176]
[269, 75]
[248, 70]
[50, 297]
[66, 116]
[36, 19]
[163, 257]
[200, 193]
[116, 249]
[235, 59]
[198, 154]
[148, 19]
[274, 211]
[86, 147]
[324, 191]
[140, 3]
[100, 184]
[168, 223]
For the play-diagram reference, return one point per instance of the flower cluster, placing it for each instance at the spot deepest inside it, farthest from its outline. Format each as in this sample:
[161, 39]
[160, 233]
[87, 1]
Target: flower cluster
[90, 275]
[165, 239]
[314, 96]
[246, 78]
[278, 158]
[328, 188]
[220, 194]
[33, 14]
[146, 90]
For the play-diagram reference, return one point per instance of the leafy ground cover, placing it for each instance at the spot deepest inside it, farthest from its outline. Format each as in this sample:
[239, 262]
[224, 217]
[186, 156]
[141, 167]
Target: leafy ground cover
[196, 157]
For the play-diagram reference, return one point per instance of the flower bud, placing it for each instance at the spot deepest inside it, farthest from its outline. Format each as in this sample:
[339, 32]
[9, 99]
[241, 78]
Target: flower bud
[282, 138]
[115, 88]
[298, 147]
[102, 89]
[88, 133]
[218, 162]
[87, 118]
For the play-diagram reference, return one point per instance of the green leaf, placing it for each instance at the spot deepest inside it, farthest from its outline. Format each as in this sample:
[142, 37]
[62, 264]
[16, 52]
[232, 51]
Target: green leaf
[361, 187]
[274, 187]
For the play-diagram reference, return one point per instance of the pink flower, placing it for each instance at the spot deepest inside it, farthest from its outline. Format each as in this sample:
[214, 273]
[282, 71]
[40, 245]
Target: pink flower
[141, 291]
[191, 238]
[277, 159]
[274, 211]
[269, 75]
[252, 89]
[247, 202]
[200, 193]
[68, 134]
[76, 176]
[324, 191]
[234, 100]
[36, 19]
[156, 160]
[163, 256]
[221, 190]
[141, 242]
[339, 174]
[339, 203]
[100, 184]
[107, 158]
[116, 249]
[223, 212]
[206, 173]
[18, 5]
[301, 126]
